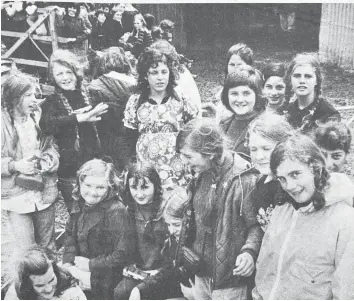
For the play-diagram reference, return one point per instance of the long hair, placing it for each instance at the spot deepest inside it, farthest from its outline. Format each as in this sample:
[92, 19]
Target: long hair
[300, 60]
[68, 59]
[150, 58]
[243, 76]
[77, 6]
[303, 149]
[37, 261]
[138, 172]
[98, 168]
[243, 51]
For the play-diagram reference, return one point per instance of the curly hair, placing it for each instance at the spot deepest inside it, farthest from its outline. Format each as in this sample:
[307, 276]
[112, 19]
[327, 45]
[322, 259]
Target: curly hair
[36, 261]
[166, 24]
[150, 58]
[243, 51]
[303, 149]
[100, 168]
[244, 76]
[333, 136]
[300, 60]
[114, 59]
[69, 60]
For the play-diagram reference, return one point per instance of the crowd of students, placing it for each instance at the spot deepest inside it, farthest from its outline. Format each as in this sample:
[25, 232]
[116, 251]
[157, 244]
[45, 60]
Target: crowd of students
[243, 197]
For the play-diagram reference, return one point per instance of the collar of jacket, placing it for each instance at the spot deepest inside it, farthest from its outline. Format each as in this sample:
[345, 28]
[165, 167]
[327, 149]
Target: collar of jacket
[80, 204]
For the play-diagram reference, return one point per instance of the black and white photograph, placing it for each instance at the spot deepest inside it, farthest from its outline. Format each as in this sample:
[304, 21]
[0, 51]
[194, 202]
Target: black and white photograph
[177, 150]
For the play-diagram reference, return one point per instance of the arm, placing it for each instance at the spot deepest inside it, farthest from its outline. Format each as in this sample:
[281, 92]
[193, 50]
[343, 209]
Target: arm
[69, 243]
[49, 155]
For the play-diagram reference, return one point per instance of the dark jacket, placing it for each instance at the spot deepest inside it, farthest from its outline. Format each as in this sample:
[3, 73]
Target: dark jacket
[226, 219]
[99, 35]
[103, 234]
[115, 32]
[56, 120]
[112, 133]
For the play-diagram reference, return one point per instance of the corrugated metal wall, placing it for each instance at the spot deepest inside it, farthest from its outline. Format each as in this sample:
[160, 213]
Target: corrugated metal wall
[337, 34]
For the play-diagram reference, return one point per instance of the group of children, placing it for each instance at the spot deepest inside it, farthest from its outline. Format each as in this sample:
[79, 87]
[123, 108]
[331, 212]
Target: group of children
[237, 198]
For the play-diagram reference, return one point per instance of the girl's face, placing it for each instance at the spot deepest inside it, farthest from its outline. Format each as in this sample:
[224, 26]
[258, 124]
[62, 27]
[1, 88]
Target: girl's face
[138, 24]
[118, 15]
[64, 77]
[158, 77]
[72, 11]
[335, 159]
[274, 91]
[142, 191]
[304, 80]
[234, 63]
[94, 189]
[28, 102]
[197, 161]
[260, 150]
[174, 226]
[101, 18]
[45, 285]
[297, 179]
[242, 99]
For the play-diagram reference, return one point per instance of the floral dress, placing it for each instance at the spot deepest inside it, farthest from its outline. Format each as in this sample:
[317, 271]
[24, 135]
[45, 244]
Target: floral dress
[158, 125]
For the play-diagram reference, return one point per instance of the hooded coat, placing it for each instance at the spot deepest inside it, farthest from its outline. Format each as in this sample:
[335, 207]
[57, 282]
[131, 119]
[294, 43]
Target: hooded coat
[308, 253]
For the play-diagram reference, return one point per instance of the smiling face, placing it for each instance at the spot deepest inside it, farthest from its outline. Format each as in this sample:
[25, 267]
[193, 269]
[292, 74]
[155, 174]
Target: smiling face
[274, 91]
[118, 15]
[94, 189]
[44, 285]
[28, 102]
[242, 99]
[297, 179]
[72, 11]
[174, 226]
[235, 61]
[64, 77]
[197, 161]
[158, 77]
[101, 18]
[260, 150]
[142, 191]
[304, 80]
[334, 159]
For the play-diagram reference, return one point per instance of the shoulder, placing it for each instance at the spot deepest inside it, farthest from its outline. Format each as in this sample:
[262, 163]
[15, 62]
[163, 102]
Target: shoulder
[341, 188]
[116, 206]
[72, 293]
[326, 108]
[225, 122]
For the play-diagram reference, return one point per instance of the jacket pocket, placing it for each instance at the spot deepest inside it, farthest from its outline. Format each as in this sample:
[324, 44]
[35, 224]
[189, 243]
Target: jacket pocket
[311, 275]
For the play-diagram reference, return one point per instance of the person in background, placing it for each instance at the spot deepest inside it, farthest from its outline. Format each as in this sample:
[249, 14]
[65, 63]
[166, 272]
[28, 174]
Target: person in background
[100, 238]
[115, 26]
[114, 84]
[128, 16]
[241, 95]
[307, 108]
[228, 236]
[167, 27]
[274, 88]
[150, 21]
[29, 164]
[38, 277]
[307, 250]
[143, 198]
[156, 33]
[334, 140]
[100, 29]
[69, 117]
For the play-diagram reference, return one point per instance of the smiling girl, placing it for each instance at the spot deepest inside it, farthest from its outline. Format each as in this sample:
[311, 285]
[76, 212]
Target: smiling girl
[307, 250]
[100, 238]
[307, 108]
[157, 114]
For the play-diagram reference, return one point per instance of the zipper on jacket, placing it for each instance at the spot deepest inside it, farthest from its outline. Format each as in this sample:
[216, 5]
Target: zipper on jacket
[281, 256]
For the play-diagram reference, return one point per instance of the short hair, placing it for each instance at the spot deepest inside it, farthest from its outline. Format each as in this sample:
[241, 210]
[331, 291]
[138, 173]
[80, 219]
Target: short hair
[68, 59]
[166, 24]
[270, 126]
[302, 148]
[150, 20]
[97, 167]
[177, 204]
[243, 51]
[113, 60]
[332, 136]
[156, 32]
[273, 69]
[99, 12]
[300, 60]
[243, 76]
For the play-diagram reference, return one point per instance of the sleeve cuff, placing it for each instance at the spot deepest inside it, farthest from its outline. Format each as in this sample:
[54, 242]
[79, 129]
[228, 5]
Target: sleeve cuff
[252, 253]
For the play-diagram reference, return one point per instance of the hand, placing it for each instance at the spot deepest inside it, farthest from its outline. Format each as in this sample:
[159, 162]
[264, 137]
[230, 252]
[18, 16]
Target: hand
[135, 294]
[25, 166]
[188, 292]
[209, 110]
[71, 40]
[244, 265]
[67, 266]
[130, 45]
[83, 110]
[82, 263]
[94, 114]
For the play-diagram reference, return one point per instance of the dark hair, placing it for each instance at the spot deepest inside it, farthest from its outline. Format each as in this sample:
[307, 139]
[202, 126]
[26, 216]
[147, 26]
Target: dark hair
[300, 60]
[37, 261]
[166, 24]
[332, 136]
[113, 59]
[302, 148]
[150, 20]
[170, 51]
[243, 51]
[244, 76]
[156, 33]
[150, 59]
[273, 69]
[74, 5]
[67, 59]
[140, 171]
[100, 12]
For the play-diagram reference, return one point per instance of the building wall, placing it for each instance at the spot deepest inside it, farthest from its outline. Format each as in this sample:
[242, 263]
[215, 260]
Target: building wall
[337, 34]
